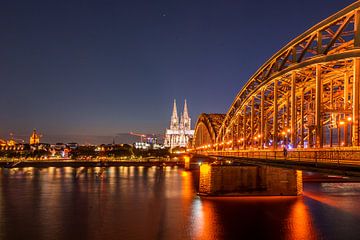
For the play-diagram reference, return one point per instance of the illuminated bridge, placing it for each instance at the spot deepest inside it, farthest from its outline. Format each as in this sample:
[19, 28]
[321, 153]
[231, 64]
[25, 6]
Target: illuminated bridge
[305, 98]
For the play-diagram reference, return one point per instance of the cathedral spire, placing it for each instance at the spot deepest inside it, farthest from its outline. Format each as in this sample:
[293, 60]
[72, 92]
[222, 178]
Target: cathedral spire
[186, 114]
[174, 118]
[187, 120]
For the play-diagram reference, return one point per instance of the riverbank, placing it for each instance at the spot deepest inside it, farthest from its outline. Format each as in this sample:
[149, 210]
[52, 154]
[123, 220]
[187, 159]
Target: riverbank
[82, 163]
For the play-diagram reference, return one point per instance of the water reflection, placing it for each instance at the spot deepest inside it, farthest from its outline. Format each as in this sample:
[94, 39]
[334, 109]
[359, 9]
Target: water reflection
[299, 223]
[161, 203]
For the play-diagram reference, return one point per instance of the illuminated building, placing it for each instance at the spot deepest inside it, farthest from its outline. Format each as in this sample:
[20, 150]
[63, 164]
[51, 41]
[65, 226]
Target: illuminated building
[180, 132]
[34, 138]
[3, 143]
[142, 145]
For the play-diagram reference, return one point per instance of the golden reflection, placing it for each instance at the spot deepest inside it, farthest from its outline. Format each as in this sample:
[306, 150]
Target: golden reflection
[51, 170]
[205, 220]
[68, 171]
[300, 225]
[131, 171]
[187, 186]
[191, 207]
[141, 170]
[197, 219]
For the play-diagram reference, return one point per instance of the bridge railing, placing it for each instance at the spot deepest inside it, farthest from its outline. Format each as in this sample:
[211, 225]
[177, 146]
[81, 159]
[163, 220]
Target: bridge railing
[334, 156]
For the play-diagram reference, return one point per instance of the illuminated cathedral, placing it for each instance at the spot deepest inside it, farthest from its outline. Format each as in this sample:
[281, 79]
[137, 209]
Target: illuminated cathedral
[179, 133]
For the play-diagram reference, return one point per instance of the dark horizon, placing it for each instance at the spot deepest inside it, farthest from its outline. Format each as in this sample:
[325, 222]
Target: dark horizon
[100, 68]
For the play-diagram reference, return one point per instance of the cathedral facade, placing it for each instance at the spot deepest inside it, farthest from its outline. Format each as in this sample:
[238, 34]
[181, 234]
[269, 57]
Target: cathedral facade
[180, 132]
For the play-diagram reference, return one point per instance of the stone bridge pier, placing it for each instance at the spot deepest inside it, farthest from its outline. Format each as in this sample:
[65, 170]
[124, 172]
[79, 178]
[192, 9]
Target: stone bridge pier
[248, 180]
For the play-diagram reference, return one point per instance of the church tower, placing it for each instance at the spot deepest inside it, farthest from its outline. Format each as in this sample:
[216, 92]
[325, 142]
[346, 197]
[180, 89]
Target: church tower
[34, 138]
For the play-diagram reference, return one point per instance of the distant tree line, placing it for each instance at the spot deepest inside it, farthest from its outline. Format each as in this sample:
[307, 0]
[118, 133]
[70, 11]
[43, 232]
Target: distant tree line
[86, 152]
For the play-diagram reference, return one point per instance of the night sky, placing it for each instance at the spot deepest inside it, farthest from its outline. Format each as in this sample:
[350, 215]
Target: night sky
[106, 67]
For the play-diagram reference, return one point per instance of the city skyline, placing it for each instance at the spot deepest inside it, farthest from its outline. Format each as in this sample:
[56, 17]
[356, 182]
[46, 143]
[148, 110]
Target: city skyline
[101, 69]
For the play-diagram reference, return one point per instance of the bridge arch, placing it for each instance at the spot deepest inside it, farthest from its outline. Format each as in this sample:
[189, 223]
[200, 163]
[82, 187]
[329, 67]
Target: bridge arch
[206, 130]
[305, 95]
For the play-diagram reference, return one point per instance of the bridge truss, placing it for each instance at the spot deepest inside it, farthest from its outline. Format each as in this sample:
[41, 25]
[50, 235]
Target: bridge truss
[304, 96]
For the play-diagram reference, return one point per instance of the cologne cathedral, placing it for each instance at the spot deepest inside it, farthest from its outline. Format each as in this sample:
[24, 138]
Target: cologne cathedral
[179, 133]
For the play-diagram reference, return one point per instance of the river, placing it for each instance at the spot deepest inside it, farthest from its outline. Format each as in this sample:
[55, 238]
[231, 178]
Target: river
[161, 203]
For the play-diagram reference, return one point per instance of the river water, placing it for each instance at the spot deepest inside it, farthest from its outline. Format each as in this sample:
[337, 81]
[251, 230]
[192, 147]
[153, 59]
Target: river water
[161, 203]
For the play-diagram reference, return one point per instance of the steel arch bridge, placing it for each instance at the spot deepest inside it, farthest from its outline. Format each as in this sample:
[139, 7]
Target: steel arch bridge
[305, 96]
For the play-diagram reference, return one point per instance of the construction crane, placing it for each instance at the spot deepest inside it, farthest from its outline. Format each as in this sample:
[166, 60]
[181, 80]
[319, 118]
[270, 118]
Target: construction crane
[142, 136]
[16, 139]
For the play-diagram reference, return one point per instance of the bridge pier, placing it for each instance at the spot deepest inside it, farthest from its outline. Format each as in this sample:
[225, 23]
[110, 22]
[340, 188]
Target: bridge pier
[248, 180]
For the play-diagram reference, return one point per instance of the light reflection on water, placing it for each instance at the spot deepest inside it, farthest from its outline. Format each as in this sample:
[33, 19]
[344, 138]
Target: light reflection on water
[161, 203]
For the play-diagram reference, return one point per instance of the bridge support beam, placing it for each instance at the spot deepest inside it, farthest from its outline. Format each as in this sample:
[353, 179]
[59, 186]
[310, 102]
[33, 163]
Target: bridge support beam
[237, 132]
[302, 136]
[293, 110]
[252, 118]
[318, 101]
[262, 119]
[346, 98]
[356, 83]
[356, 102]
[331, 114]
[244, 130]
[275, 117]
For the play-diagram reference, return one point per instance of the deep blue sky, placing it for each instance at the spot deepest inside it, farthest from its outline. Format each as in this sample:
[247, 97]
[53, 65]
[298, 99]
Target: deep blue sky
[104, 67]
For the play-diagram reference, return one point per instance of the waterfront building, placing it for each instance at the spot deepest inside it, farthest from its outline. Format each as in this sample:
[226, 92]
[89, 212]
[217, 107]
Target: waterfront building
[142, 145]
[3, 143]
[180, 132]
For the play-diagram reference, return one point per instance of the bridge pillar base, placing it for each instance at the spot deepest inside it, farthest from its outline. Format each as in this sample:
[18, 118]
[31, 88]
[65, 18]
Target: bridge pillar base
[248, 180]
[187, 163]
